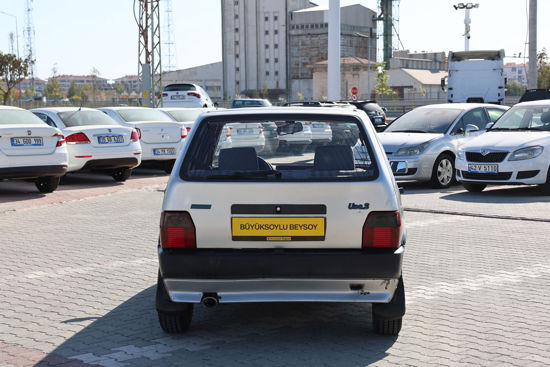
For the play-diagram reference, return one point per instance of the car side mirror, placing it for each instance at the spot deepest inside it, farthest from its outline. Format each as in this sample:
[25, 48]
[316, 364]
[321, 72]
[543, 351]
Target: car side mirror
[470, 129]
[489, 125]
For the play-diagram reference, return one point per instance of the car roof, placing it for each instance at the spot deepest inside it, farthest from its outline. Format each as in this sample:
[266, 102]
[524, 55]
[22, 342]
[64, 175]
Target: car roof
[540, 102]
[286, 111]
[10, 108]
[462, 106]
[185, 108]
[119, 108]
[63, 109]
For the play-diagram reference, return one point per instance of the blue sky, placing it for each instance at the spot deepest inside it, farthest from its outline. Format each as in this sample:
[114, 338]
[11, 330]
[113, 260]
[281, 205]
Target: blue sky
[79, 35]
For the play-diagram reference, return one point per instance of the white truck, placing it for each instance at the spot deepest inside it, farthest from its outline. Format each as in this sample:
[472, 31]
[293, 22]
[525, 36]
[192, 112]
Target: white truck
[476, 76]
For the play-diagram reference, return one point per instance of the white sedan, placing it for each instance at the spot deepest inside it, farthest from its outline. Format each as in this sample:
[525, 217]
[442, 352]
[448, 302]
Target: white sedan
[515, 150]
[186, 116]
[95, 142]
[161, 137]
[29, 149]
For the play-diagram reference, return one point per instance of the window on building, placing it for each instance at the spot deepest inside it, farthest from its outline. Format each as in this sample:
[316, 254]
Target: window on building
[275, 17]
[276, 72]
[267, 61]
[236, 43]
[267, 73]
[236, 56]
[276, 60]
[236, 16]
[266, 32]
[266, 46]
[236, 2]
[237, 69]
[276, 45]
[266, 18]
[276, 31]
[237, 30]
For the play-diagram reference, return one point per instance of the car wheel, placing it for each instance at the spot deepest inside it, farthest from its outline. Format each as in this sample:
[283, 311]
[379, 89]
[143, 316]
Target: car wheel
[387, 318]
[121, 174]
[545, 187]
[47, 184]
[473, 187]
[443, 173]
[179, 318]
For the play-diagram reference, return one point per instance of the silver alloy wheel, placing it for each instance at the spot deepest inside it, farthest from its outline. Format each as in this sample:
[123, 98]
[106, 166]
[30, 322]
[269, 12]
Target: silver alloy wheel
[445, 172]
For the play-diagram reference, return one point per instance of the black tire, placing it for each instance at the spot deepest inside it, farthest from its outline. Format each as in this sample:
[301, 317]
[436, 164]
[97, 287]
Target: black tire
[545, 187]
[387, 318]
[47, 184]
[121, 174]
[443, 172]
[173, 317]
[473, 187]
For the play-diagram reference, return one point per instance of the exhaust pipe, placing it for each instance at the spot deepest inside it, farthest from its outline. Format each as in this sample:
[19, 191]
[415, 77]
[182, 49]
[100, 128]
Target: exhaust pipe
[210, 300]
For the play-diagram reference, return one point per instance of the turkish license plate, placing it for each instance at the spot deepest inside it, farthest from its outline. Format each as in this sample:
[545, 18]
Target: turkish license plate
[27, 142]
[110, 139]
[378, 120]
[178, 97]
[164, 151]
[278, 229]
[483, 168]
[245, 131]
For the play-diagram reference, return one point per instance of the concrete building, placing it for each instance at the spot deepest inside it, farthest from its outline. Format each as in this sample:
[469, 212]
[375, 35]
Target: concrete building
[403, 59]
[354, 72]
[208, 76]
[254, 46]
[65, 82]
[308, 43]
[39, 85]
[516, 73]
[130, 83]
[417, 84]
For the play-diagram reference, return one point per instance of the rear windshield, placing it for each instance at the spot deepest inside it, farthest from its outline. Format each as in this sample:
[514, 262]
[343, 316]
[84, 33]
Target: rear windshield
[85, 118]
[18, 117]
[179, 87]
[425, 120]
[250, 103]
[280, 148]
[184, 115]
[143, 114]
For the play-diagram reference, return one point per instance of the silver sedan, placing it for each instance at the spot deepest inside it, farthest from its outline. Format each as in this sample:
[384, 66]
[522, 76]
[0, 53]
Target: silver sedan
[421, 145]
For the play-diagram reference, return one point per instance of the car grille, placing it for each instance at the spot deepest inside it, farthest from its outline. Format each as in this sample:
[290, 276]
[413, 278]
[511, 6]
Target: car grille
[493, 157]
[527, 174]
[487, 176]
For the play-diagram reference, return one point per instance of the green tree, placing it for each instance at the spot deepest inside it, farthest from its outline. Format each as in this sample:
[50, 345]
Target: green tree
[514, 89]
[12, 71]
[543, 67]
[73, 90]
[382, 88]
[119, 87]
[52, 89]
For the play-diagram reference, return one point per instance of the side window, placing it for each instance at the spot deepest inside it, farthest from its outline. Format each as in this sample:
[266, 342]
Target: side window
[494, 113]
[45, 118]
[475, 117]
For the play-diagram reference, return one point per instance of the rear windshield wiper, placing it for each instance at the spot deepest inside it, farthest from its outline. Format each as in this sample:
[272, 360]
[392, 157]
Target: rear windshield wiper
[249, 174]
[408, 131]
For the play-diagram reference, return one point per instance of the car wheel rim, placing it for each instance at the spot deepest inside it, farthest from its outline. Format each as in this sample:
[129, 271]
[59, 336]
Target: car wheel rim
[444, 172]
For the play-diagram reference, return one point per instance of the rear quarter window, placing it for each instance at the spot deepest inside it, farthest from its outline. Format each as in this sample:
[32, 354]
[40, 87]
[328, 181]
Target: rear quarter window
[280, 148]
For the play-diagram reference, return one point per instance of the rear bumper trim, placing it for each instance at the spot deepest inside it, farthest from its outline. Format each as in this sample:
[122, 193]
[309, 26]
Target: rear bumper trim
[32, 171]
[110, 163]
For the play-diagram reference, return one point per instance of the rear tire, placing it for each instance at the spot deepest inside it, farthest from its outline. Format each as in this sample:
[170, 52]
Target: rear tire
[443, 173]
[473, 187]
[173, 317]
[545, 187]
[121, 174]
[47, 184]
[387, 318]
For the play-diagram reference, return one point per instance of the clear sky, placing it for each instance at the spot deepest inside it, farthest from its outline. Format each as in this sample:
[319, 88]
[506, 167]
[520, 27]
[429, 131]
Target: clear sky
[79, 35]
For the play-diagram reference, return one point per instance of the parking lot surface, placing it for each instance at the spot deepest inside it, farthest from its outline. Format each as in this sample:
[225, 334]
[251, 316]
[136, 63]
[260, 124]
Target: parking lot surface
[78, 277]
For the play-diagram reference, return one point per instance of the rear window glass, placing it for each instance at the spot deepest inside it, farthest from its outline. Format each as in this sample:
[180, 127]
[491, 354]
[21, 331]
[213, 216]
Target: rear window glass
[18, 117]
[143, 114]
[85, 118]
[250, 103]
[280, 148]
[425, 120]
[179, 87]
[184, 115]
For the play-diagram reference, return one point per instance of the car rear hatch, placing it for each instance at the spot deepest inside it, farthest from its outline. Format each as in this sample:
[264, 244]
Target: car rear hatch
[103, 136]
[159, 132]
[18, 140]
[245, 132]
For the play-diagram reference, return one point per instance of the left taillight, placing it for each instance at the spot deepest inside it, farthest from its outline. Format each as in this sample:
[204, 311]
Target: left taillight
[177, 230]
[382, 230]
[183, 132]
[194, 94]
[60, 139]
[135, 135]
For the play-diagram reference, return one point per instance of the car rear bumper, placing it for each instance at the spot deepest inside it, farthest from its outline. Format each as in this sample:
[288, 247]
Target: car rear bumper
[32, 171]
[281, 275]
[110, 163]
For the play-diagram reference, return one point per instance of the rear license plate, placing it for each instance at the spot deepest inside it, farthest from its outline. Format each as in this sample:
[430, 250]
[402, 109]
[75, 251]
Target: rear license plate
[245, 131]
[109, 139]
[483, 168]
[164, 151]
[27, 142]
[178, 97]
[278, 229]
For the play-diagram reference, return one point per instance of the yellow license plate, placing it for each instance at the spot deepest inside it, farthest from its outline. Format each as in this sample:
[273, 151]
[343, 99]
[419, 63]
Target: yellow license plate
[278, 229]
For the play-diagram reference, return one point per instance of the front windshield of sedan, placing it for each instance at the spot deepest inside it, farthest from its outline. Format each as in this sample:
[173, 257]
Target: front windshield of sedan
[425, 120]
[138, 114]
[184, 115]
[525, 118]
[85, 118]
[18, 117]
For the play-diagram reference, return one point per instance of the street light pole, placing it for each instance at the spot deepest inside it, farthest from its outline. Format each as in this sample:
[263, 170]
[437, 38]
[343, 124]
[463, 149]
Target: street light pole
[368, 60]
[467, 21]
[16, 29]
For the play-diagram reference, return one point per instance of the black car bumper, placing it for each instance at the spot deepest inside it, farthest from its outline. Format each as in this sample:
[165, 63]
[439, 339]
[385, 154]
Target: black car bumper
[32, 172]
[110, 163]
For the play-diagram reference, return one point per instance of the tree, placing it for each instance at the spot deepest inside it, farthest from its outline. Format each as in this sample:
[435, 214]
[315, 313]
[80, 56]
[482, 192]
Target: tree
[52, 89]
[543, 67]
[12, 71]
[514, 89]
[382, 88]
[120, 88]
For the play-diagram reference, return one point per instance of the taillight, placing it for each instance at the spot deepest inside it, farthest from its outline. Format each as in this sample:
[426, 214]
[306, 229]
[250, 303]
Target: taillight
[188, 129]
[139, 133]
[228, 131]
[135, 135]
[165, 94]
[194, 94]
[77, 138]
[61, 140]
[177, 230]
[183, 132]
[261, 130]
[382, 230]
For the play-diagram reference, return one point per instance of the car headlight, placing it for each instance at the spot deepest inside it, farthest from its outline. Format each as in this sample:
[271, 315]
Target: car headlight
[412, 150]
[526, 153]
[460, 154]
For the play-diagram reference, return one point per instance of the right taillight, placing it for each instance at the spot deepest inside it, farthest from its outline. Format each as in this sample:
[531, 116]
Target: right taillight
[135, 135]
[61, 140]
[382, 230]
[177, 230]
[77, 138]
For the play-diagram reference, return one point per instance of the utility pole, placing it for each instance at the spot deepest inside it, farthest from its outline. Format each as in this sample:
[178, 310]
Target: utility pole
[29, 33]
[467, 21]
[169, 43]
[333, 87]
[149, 53]
[532, 72]
[16, 30]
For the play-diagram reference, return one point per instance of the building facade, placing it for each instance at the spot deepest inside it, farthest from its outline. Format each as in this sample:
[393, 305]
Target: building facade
[403, 59]
[516, 73]
[130, 83]
[65, 82]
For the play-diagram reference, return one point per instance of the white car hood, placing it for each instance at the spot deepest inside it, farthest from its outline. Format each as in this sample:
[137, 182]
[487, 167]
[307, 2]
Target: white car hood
[393, 141]
[507, 140]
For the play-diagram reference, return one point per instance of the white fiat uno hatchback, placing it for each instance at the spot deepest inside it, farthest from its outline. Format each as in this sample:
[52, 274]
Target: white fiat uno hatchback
[320, 226]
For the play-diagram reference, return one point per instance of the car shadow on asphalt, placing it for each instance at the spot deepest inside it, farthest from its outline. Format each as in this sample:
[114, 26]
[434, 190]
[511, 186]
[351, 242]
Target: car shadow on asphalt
[500, 195]
[268, 334]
